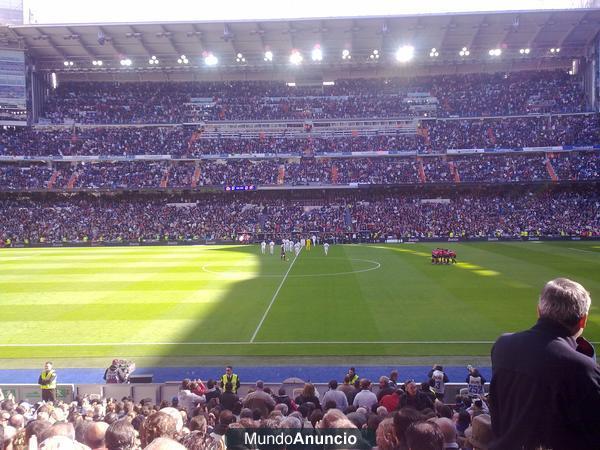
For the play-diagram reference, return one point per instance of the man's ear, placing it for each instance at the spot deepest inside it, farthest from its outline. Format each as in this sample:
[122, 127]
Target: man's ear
[582, 322]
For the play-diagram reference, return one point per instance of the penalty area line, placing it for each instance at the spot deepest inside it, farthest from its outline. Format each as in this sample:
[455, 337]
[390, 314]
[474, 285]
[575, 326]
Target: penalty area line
[274, 297]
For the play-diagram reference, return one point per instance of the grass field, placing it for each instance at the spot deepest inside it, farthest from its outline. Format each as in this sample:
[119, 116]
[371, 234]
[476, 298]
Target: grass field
[231, 300]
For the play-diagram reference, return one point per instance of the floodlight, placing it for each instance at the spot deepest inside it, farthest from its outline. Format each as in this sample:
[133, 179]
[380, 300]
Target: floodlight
[405, 53]
[211, 60]
[317, 53]
[296, 57]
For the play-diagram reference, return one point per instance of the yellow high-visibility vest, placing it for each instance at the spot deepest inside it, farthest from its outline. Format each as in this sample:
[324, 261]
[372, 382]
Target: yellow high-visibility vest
[46, 376]
[233, 381]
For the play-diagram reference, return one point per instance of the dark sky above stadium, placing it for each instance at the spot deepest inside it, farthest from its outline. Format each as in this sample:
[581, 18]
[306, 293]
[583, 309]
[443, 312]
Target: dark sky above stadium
[106, 11]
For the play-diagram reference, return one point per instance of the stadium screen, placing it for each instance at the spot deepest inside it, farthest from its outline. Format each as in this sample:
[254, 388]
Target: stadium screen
[13, 97]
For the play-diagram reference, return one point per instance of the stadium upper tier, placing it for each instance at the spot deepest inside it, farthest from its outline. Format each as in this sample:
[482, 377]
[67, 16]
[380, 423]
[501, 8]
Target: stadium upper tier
[423, 136]
[438, 96]
[144, 174]
[556, 213]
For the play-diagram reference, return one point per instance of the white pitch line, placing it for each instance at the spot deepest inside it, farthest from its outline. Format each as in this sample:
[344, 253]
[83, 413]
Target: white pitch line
[101, 344]
[585, 251]
[273, 299]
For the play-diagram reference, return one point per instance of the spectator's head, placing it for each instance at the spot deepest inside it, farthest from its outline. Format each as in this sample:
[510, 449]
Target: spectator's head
[120, 436]
[309, 390]
[198, 423]
[48, 365]
[260, 385]
[59, 429]
[282, 407]
[94, 434]
[36, 428]
[394, 376]
[156, 425]
[448, 430]
[403, 419]
[565, 302]
[176, 415]
[228, 387]
[410, 387]
[164, 443]
[479, 434]
[17, 421]
[333, 384]
[385, 435]
[424, 436]
[383, 382]
[365, 384]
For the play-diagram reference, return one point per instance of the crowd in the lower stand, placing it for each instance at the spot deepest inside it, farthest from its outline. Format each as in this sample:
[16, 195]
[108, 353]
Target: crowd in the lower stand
[388, 415]
[499, 168]
[371, 217]
[430, 136]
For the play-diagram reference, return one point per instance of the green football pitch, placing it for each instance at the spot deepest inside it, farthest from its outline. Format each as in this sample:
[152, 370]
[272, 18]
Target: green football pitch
[232, 300]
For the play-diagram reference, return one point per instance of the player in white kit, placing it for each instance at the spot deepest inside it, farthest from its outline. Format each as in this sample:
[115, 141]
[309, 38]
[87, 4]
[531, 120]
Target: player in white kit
[326, 248]
[263, 247]
[271, 247]
[297, 248]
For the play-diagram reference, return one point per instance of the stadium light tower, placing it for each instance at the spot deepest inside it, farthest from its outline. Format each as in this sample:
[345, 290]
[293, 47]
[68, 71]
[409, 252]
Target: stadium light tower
[405, 53]
[182, 60]
[268, 56]
[464, 52]
[495, 52]
[346, 54]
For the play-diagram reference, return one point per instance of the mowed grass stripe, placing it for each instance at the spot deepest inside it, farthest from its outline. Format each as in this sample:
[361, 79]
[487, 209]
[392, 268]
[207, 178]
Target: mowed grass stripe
[407, 299]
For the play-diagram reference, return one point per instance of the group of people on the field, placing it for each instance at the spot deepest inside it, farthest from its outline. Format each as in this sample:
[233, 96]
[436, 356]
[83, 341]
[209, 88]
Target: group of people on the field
[288, 245]
[443, 256]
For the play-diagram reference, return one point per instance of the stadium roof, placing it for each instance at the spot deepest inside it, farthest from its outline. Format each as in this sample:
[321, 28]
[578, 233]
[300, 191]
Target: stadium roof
[571, 31]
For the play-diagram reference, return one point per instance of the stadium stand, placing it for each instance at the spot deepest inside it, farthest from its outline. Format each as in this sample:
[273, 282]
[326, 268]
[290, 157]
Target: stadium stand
[373, 218]
[450, 95]
[199, 417]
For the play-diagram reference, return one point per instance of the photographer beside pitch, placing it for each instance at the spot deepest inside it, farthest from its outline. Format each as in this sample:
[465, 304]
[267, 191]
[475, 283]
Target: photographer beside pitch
[545, 388]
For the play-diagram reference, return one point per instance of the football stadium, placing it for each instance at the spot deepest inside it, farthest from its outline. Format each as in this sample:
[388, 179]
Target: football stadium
[380, 223]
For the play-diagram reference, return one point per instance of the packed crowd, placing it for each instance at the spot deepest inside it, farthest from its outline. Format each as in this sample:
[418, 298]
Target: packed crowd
[447, 95]
[389, 415]
[379, 217]
[500, 168]
[432, 136]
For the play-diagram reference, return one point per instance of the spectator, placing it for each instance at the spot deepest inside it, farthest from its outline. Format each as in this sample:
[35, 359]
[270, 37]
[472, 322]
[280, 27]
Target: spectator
[543, 392]
[424, 436]
[95, 434]
[308, 396]
[259, 400]
[114, 374]
[479, 435]
[338, 397]
[228, 398]
[120, 436]
[414, 398]
[186, 399]
[365, 398]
